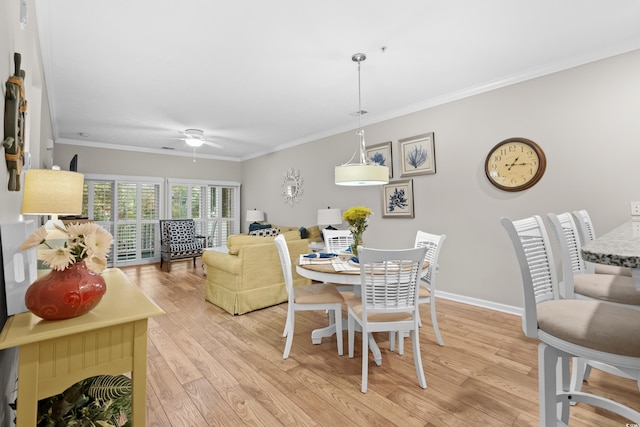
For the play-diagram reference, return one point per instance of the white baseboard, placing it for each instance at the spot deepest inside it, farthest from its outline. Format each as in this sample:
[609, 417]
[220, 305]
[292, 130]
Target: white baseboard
[480, 303]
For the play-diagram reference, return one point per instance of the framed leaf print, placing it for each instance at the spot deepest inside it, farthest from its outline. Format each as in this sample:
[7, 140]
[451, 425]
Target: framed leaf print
[418, 155]
[380, 154]
[397, 199]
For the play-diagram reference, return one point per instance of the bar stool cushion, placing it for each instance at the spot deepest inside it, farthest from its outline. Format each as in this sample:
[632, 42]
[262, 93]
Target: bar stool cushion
[592, 324]
[612, 269]
[607, 287]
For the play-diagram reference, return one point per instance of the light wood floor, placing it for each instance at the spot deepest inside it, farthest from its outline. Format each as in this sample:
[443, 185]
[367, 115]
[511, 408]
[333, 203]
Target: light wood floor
[208, 368]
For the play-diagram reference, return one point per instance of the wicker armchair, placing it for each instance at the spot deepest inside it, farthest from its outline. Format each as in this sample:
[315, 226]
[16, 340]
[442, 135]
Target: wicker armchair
[178, 240]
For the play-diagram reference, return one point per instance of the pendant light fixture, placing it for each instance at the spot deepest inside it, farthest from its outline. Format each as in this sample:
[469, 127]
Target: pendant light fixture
[363, 172]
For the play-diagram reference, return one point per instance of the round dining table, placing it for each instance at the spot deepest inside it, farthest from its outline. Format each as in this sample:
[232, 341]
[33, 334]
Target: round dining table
[350, 281]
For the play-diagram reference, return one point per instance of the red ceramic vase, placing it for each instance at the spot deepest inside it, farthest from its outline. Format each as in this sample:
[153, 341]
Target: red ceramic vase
[71, 292]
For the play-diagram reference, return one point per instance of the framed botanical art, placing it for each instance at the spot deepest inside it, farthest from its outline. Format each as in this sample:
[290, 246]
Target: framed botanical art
[397, 199]
[418, 156]
[380, 154]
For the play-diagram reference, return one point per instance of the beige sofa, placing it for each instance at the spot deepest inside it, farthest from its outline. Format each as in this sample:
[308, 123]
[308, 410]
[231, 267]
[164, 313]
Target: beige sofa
[249, 277]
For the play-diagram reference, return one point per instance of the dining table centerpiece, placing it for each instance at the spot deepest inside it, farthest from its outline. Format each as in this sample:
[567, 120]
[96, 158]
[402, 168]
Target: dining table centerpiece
[74, 285]
[356, 217]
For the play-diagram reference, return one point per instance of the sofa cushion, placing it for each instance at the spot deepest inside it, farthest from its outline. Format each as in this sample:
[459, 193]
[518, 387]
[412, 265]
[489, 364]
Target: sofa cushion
[265, 232]
[314, 234]
[236, 241]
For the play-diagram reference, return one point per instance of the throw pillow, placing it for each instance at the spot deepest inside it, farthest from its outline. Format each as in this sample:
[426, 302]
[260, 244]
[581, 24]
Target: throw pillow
[256, 226]
[265, 232]
[303, 232]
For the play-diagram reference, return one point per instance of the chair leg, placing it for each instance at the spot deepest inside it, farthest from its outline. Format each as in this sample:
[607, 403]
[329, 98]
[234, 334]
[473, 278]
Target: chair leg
[578, 372]
[351, 325]
[169, 265]
[289, 332]
[434, 319]
[338, 320]
[547, 361]
[365, 359]
[194, 262]
[417, 358]
[392, 340]
[563, 374]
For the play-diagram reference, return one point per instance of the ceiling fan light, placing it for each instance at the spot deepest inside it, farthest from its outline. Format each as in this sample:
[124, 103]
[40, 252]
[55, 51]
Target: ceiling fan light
[194, 142]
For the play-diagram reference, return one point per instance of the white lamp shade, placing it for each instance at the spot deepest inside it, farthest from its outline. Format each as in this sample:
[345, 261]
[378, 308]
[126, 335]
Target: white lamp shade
[361, 174]
[52, 192]
[329, 216]
[255, 216]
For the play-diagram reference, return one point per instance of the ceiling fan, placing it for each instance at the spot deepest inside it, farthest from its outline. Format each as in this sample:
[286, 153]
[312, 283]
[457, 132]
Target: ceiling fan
[195, 138]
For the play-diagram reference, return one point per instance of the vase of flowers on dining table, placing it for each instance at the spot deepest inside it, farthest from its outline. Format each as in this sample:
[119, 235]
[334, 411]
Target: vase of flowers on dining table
[356, 217]
[74, 285]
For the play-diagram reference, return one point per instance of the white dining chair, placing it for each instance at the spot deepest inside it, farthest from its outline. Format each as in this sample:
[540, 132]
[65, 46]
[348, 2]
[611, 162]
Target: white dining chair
[576, 282]
[337, 240]
[388, 301]
[587, 234]
[565, 328]
[427, 295]
[318, 296]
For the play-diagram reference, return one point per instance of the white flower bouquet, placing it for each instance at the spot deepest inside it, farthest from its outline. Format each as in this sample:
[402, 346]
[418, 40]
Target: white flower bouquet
[87, 242]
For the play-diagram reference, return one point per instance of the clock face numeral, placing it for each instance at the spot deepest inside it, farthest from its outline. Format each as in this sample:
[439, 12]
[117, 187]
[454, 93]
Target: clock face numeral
[515, 164]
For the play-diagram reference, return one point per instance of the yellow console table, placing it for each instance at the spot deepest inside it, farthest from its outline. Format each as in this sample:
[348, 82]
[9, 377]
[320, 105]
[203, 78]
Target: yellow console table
[110, 339]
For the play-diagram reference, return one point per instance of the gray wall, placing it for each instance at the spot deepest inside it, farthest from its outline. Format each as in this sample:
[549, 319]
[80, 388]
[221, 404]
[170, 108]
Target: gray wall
[25, 41]
[585, 119]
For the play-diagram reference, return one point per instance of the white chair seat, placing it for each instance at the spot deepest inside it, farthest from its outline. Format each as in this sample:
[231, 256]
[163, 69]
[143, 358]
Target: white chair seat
[606, 287]
[356, 306]
[592, 324]
[319, 293]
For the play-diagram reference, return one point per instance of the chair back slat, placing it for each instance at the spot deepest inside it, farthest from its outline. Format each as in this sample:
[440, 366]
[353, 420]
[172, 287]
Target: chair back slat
[583, 220]
[433, 243]
[533, 250]
[390, 279]
[337, 240]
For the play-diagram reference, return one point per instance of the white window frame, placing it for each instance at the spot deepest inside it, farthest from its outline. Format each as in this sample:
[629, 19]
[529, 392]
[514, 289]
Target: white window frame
[203, 222]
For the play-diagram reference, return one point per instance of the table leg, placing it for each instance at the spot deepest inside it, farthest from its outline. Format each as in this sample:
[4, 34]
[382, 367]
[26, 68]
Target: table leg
[139, 374]
[28, 371]
[375, 350]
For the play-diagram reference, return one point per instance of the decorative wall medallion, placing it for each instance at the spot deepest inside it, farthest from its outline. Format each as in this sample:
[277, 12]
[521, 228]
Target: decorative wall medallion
[292, 186]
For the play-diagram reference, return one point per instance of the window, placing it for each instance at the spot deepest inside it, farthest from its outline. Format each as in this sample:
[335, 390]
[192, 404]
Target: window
[129, 208]
[214, 207]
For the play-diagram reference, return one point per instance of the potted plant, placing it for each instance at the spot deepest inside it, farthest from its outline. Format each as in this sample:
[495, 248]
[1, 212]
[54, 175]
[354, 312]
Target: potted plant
[100, 401]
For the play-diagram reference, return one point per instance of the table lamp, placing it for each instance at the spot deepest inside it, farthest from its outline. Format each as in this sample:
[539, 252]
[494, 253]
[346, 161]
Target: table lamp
[329, 217]
[255, 216]
[52, 192]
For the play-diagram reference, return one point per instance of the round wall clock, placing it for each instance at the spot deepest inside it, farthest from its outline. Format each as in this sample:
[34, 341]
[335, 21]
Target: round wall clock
[515, 164]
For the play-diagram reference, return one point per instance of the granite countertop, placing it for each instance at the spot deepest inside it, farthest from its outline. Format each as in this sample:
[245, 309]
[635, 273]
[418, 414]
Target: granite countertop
[620, 246]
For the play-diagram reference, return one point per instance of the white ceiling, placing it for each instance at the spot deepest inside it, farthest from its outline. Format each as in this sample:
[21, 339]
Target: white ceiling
[257, 76]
